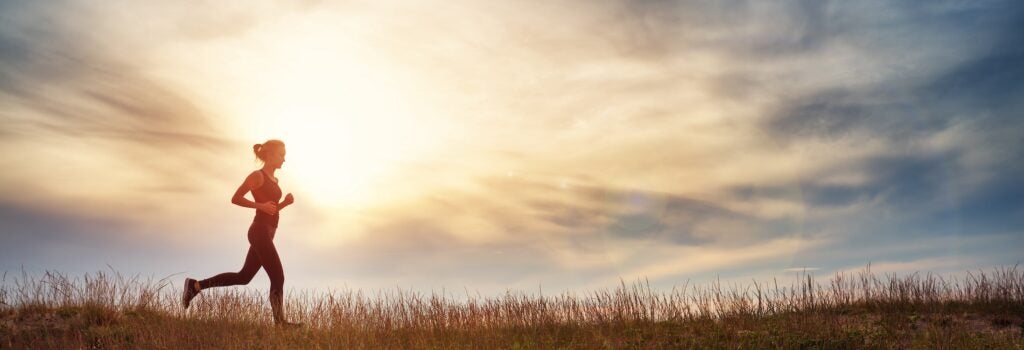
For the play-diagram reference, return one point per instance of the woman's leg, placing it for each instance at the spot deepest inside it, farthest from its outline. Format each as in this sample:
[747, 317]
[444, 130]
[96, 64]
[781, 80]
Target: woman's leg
[267, 252]
[243, 276]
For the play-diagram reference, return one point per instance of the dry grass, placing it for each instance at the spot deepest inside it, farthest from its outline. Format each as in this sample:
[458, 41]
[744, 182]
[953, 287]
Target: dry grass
[862, 310]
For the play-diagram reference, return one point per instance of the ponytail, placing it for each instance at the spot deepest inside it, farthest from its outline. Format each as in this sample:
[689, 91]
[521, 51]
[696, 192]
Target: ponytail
[256, 150]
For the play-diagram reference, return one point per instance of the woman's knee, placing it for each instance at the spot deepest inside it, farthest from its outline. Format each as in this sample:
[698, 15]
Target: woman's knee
[247, 275]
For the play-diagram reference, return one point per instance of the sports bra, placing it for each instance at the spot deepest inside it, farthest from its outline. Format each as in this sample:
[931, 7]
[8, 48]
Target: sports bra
[269, 191]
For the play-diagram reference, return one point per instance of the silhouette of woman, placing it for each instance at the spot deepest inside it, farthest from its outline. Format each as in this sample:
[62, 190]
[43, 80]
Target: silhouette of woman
[266, 196]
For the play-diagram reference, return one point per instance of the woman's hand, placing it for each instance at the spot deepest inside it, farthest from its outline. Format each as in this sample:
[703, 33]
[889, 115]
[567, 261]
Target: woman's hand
[268, 207]
[288, 200]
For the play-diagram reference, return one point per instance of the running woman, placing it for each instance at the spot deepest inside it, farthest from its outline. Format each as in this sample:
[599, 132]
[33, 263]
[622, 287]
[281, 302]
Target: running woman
[267, 201]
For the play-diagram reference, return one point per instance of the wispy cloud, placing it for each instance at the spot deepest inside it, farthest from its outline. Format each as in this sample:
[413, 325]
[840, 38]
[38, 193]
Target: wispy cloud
[505, 141]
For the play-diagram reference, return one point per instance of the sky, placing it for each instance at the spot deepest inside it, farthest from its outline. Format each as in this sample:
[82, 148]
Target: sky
[494, 145]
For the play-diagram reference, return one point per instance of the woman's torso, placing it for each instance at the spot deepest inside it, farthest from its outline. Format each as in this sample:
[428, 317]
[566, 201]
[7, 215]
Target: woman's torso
[268, 191]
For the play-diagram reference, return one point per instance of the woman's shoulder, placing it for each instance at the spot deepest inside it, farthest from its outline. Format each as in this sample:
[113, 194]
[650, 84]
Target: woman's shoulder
[256, 178]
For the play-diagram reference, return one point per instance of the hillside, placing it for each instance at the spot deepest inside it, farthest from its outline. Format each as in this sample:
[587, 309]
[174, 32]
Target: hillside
[982, 310]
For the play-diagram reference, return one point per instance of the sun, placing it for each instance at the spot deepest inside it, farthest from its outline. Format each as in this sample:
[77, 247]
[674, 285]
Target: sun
[343, 139]
[349, 126]
[352, 120]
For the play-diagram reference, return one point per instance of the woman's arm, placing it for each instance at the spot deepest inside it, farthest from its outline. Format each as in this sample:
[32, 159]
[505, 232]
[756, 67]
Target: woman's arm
[254, 180]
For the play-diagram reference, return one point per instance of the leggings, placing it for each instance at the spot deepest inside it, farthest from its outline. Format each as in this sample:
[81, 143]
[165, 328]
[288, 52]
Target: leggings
[261, 253]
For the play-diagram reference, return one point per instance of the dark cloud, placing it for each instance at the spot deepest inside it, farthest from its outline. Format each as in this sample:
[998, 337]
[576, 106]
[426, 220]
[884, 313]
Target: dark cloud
[757, 31]
[737, 28]
[842, 113]
[980, 96]
[588, 210]
[901, 181]
[914, 195]
[985, 86]
[544, 227]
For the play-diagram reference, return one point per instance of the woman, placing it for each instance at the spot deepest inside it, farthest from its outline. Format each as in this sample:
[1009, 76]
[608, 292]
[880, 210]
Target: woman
[266, 194]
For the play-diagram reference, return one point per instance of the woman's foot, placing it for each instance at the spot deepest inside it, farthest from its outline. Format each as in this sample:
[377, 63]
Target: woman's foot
[190, 291]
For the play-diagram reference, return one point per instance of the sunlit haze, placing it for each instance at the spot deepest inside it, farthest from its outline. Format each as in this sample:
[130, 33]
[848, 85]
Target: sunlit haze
[505, 144]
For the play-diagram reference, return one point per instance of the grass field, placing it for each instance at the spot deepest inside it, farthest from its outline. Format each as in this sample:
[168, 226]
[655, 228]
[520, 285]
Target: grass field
[983, 309]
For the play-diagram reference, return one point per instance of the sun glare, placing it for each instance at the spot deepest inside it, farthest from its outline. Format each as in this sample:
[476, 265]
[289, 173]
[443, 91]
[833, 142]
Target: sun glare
[349, 125]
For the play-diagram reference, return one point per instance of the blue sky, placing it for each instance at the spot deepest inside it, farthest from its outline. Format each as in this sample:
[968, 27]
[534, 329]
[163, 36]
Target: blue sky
[492, 145]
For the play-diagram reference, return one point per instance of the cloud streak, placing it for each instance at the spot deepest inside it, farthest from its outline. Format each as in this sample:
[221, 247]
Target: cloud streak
[508, 143]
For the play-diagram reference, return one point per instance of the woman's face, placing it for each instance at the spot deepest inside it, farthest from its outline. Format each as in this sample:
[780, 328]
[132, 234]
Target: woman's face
[276, 157]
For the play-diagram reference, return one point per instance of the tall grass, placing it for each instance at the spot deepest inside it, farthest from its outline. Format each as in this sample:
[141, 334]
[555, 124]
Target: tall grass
[855, 310]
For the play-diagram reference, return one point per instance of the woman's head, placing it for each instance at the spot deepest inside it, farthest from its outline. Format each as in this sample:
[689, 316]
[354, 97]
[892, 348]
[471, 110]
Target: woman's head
[270, 153]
